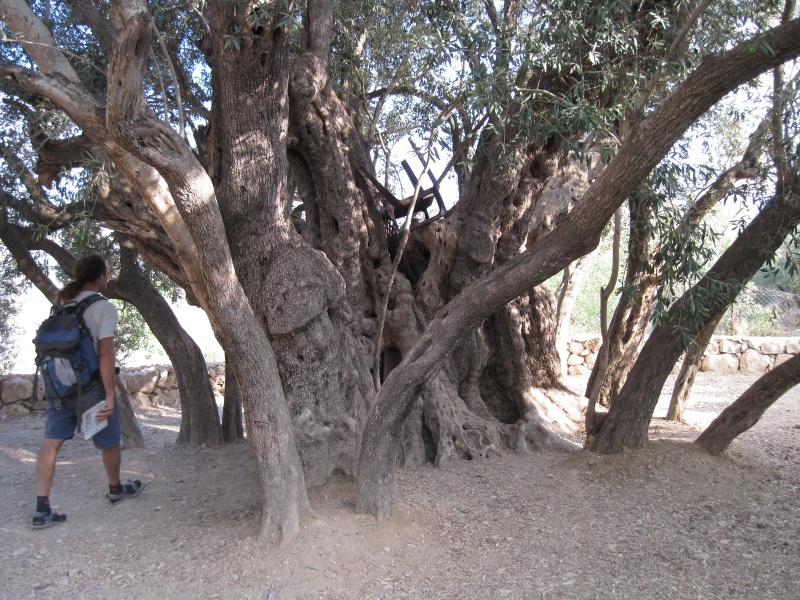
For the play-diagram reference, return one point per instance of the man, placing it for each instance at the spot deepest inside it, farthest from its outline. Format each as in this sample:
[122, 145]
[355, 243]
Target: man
[91, 277]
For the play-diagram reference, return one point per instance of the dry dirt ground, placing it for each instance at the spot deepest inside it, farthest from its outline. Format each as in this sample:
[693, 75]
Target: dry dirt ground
[666, 522]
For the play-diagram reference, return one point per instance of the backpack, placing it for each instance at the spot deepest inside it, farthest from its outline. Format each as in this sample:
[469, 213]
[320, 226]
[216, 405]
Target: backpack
[65, 354]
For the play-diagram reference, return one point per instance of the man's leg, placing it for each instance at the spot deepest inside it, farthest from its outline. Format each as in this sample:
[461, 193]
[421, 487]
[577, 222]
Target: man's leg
[45, 471]
[46, 465]
[118, 491]
[112, 460]
[108, 440]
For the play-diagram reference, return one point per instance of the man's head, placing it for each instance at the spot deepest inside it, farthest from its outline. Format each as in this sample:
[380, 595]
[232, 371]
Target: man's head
[91, 273]
[92, 269]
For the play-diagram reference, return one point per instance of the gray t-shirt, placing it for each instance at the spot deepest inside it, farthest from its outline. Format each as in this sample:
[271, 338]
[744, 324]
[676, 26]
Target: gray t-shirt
[101, 318]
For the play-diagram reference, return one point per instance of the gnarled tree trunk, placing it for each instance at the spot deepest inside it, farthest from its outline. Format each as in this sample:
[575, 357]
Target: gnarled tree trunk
[575, 236]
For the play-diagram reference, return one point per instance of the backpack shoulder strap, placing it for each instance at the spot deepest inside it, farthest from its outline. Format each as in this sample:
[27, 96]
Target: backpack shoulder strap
[81, 306]
[86, 303]
[75, 308]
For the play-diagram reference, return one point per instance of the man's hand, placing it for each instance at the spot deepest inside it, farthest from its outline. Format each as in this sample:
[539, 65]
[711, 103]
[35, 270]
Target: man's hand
[106, 412]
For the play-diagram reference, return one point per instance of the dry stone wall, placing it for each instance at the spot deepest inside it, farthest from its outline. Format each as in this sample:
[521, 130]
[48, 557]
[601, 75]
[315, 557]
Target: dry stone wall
[723, 354]
[154, 385]
[146, 386]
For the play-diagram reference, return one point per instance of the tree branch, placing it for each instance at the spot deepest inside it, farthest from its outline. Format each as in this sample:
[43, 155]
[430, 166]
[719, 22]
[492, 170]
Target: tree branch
[36, 39]
[319, 27]
[16, 246]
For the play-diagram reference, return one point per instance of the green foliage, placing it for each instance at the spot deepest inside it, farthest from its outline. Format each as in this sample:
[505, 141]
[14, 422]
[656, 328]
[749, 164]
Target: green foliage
[133, 334]
[9, 332]
[556, 72]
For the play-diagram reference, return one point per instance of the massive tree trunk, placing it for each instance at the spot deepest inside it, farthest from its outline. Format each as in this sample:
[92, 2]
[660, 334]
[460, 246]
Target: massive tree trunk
[629, 417]
[302, 297]
[745, 412]
[511, 363]
[504, 379]
[451, 414]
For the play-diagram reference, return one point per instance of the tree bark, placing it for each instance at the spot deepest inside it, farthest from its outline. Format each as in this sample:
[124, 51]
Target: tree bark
[232, 427]
[302, 297]
[131, 432]
[750, 406]
[629, 417]
[689, 369]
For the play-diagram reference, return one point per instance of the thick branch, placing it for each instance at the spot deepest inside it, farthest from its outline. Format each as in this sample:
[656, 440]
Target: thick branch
[319, 28]
[24, 261]
[748, 408]
[36, 39]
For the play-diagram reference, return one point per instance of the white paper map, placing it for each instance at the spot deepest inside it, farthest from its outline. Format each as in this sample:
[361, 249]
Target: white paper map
[89, 424]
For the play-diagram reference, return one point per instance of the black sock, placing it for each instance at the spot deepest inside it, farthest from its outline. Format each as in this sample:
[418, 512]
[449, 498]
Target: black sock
[115, 489]
[43, 504]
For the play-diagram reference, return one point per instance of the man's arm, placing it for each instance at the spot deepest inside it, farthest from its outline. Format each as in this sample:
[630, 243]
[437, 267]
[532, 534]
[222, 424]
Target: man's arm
[105, 351]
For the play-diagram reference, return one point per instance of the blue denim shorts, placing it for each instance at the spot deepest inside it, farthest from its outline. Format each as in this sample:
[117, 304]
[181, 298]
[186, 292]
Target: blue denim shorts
[60, 423]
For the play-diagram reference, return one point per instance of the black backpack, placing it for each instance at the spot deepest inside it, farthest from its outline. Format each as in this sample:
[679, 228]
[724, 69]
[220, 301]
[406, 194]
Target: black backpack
[65, 354]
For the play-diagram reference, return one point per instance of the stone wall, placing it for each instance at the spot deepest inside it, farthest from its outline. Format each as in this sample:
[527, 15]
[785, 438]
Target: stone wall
[154, 385]
[146, 386]
[729, 354]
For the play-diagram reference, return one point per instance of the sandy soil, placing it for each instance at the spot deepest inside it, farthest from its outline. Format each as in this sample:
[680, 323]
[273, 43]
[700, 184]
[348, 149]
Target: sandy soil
[666, 522]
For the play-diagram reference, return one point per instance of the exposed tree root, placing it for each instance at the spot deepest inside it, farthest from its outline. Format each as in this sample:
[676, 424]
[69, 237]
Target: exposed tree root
[455, 429]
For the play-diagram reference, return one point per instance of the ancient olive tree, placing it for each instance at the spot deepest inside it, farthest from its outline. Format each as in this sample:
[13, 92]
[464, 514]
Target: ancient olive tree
[272, 220]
